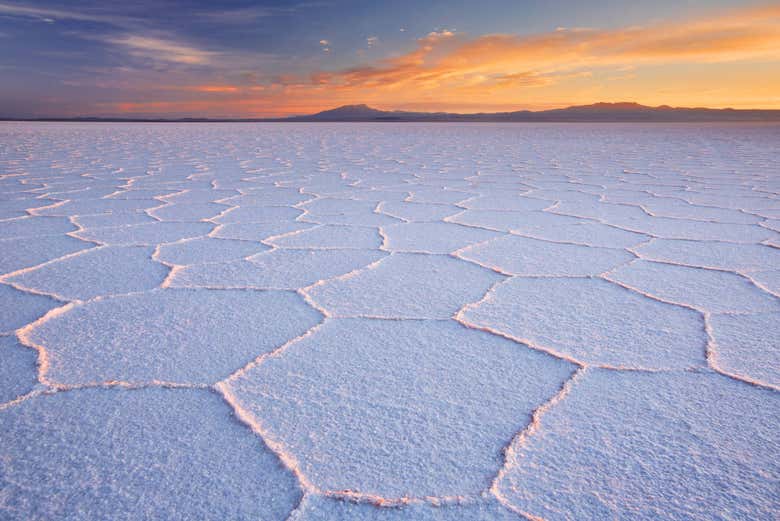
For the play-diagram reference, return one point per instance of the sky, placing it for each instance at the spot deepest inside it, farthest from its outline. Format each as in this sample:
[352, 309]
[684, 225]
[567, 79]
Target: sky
[176, 58]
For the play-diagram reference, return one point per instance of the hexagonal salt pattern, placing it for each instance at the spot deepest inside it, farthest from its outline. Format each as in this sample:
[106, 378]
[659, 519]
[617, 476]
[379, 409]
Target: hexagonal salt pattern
[362, 404]
[565, 229]
[27, 252]
[392, 317]
[418, 212]
[31, 227]
[400, 286]
[72, 206]
[647, 446]
[94, 273]
[276, 269]
[207, 249]
[433, 237]
[257, 214]
[168, 335]
[594, 321]
[258, 231]
[146, 234]
[633, 218]
[97, 454]
[711, 255]
[523, 256]
[112, 220]
[188, 211]
[699, 288]
[331, 236]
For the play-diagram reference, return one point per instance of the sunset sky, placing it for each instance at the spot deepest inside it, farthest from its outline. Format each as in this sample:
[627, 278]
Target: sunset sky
[250, 59]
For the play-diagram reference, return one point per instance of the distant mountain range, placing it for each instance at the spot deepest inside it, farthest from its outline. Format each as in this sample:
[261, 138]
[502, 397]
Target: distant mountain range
[598, 112]
[584, 113]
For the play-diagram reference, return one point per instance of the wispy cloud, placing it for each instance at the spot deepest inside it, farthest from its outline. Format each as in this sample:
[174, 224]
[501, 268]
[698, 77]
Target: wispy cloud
[242, 15]
[251, 14]
[49, 15]
[163, 50]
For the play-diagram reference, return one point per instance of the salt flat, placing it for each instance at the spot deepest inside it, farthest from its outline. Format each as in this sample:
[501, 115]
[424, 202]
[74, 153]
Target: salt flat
[389, 322]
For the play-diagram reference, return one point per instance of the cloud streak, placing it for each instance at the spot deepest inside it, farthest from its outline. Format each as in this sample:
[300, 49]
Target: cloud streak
[163, 50]
[49, 14]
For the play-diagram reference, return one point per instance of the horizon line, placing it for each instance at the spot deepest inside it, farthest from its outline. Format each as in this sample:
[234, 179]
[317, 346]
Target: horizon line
[607, 108]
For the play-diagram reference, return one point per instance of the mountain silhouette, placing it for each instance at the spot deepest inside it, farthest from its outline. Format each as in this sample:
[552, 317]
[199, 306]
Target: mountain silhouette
[597, 112]
[606, 112]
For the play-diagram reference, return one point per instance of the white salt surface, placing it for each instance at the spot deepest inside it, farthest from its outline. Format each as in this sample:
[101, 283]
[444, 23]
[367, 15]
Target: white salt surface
[389, 322]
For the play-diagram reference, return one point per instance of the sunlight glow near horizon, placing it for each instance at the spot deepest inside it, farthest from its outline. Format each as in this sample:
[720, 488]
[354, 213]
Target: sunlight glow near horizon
[276, 59]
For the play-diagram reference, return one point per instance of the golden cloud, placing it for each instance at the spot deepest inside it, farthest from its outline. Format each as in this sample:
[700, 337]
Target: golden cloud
[446, 60]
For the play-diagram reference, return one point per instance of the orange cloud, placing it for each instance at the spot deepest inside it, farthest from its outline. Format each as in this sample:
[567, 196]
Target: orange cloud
[215, 88]
[444, 60]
